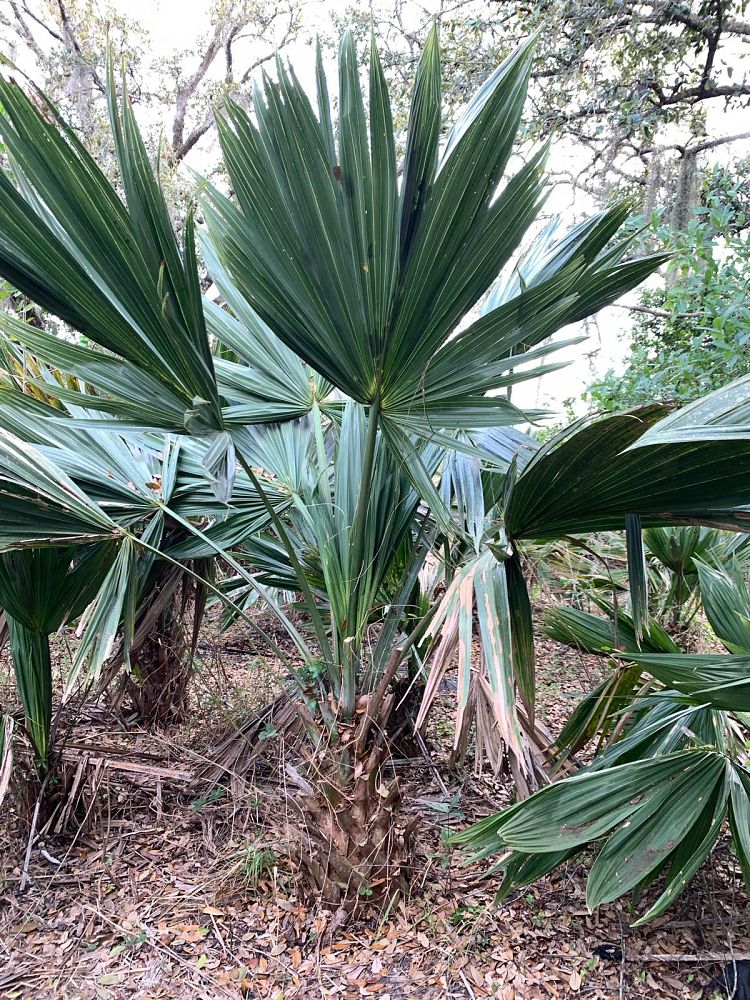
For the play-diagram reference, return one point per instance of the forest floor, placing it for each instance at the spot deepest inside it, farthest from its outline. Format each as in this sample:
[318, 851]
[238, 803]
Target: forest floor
[156, 890]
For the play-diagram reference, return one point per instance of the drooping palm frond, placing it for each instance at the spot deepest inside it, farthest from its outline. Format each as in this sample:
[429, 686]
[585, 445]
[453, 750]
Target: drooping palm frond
[40, 590]
[597, 634]
[600, 710]
[148, 487]
[487, 591]
[725, 596]
[662, 815]
[719, 680]
[697, 474]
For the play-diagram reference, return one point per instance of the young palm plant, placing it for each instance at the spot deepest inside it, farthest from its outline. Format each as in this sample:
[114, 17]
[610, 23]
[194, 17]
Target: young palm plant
[370, 283]
[673, 764]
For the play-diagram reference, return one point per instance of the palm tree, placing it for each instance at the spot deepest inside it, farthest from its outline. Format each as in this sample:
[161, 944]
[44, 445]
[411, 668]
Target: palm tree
[673, 766]
[351, 299]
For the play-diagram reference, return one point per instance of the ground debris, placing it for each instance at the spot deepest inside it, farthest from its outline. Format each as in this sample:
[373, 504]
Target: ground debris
[177, 893]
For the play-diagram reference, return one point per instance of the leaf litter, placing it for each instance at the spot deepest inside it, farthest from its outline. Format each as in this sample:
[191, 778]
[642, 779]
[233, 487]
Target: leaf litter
[156, 891]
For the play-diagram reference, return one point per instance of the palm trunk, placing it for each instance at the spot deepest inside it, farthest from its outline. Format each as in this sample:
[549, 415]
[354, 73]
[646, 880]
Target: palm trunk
[354, 844]
[161, 657]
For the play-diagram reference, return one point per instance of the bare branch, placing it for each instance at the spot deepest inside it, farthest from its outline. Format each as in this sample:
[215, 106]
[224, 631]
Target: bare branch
[186, 92]
[37, 20]
[193, 137]
[681, 14]
[690, 95]
[699, 147]
[26, 31]
[693, 95]
[660, 313]
[225, 36]
[72, 40]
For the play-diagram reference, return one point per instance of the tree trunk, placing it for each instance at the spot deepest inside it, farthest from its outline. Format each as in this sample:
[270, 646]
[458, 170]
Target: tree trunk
[345, 826]
[347, 829]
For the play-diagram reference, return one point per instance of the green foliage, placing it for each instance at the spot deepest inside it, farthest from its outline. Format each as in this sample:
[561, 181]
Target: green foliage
[690, 704]
[613, 78]
[658, 816]
[379, 312]
[695, 332]
[726, 600]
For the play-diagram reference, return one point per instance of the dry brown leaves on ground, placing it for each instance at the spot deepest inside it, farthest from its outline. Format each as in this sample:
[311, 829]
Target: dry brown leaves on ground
[165, 893]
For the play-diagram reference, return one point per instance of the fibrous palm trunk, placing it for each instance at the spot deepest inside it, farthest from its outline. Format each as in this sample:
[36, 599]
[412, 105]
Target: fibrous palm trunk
[345, 827]
[160, 671]
[161, 657]
[354, 841]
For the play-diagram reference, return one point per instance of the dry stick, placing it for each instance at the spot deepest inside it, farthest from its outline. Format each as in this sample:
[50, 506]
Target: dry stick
[695, 959]
[470, 992]
[661, 313]
[428, 757]
[709, 956]
[32, 831]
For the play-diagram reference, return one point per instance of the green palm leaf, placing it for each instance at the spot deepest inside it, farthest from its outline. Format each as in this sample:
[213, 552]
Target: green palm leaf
[40, 503]
[113, 272]
[726, 600]
[601, 469]
[722, 681]
[369, 283]
[662, 815]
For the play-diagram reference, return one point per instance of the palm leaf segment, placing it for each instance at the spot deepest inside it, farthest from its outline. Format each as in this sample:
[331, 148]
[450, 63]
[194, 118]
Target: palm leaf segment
[110, 270]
